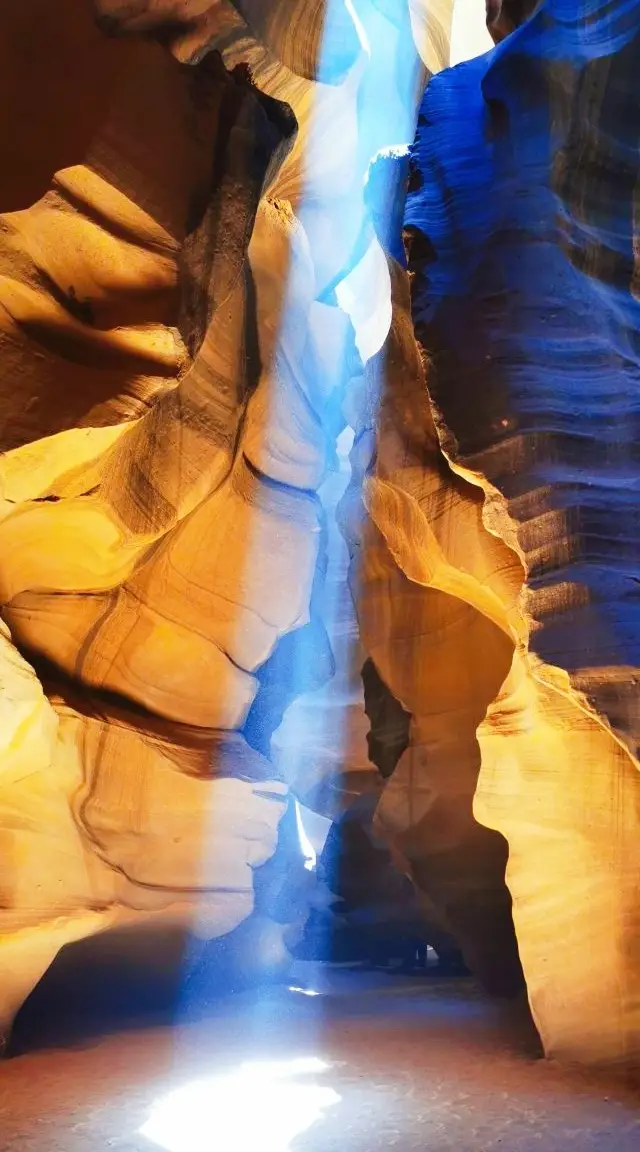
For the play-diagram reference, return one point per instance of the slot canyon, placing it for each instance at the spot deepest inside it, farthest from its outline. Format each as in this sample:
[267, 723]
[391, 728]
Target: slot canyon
[319, 581]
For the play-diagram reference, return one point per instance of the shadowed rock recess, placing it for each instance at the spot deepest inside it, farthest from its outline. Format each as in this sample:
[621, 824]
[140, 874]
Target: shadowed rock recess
[204, 294]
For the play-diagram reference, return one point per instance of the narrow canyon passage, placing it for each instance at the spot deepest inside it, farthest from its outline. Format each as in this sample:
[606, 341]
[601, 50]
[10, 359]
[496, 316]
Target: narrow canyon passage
[319, 576]
[369, 1062]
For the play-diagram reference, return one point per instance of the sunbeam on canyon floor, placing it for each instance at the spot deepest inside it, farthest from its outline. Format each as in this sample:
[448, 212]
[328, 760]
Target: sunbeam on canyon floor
[261, 1105]
[370, 1063]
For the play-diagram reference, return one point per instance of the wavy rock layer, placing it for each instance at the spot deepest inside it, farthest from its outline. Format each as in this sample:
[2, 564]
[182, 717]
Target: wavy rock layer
[436, 637]
[181, 311]
[94, 274]
[521, 223]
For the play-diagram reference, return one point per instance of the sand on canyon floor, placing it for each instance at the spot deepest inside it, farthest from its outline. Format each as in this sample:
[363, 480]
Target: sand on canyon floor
[339, 1061]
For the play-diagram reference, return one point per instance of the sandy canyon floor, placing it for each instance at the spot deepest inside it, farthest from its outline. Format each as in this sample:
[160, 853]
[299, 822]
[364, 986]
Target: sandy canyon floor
[342, 1061]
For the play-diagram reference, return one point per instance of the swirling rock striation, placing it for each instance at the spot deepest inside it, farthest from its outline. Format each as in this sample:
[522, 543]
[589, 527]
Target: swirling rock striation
[182, 306]
[435, 637]
[135, 746]
[521, 228]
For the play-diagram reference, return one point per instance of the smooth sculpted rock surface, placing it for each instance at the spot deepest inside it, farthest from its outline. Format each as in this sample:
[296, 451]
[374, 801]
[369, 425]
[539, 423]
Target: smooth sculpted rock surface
[202, 285]
[441, 655]
[521, 223]
[111, 802]
[188, 281]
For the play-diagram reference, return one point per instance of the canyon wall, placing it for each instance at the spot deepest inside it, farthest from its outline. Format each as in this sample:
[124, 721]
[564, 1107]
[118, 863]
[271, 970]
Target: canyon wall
[203, 285]
[190, 277]
[521, 228]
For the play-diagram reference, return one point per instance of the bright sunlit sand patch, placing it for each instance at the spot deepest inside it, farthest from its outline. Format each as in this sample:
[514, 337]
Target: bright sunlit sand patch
[260, 1106]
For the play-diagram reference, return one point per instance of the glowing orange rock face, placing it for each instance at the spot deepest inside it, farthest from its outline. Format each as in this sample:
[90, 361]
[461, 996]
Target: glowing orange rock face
[192, 308]
[179, 379]
[529, 406]
[120, 452]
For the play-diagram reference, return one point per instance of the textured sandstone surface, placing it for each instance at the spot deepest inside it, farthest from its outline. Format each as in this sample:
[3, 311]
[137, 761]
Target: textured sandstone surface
[202, 285]
[188, 281]
[521, 223]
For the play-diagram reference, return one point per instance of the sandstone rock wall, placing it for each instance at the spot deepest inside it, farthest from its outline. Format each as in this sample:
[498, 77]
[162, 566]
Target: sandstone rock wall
[182, 308]
[521, 224]
[201, 284]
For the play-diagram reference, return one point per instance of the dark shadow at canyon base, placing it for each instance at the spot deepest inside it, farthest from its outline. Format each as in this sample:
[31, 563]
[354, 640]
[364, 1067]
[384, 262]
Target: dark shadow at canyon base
[125, 981]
